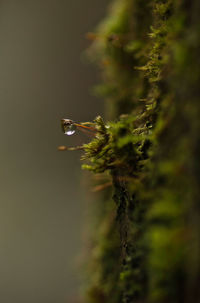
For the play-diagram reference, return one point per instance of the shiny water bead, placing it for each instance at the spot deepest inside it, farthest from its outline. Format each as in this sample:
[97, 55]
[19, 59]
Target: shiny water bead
[68, 127]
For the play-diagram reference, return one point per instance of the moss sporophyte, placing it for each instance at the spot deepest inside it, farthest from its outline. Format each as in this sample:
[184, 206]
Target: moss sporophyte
[69, 127]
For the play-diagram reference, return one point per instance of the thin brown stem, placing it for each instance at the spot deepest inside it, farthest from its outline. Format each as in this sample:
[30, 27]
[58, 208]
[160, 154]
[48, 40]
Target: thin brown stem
[64, 148]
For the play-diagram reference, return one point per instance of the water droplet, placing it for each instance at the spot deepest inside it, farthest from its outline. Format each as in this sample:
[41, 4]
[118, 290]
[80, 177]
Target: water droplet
[68, 127]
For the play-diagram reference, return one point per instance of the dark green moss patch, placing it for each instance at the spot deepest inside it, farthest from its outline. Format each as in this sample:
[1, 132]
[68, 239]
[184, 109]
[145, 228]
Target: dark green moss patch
[148, 55]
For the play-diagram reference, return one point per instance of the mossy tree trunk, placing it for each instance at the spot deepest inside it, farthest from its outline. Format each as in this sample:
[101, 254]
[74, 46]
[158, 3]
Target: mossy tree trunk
[146, 246]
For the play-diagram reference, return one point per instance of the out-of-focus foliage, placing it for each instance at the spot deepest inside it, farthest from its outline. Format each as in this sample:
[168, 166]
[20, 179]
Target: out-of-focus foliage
[146, 244]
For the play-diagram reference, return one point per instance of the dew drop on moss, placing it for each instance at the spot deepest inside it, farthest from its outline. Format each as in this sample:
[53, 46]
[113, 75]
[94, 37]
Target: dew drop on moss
[69, 129]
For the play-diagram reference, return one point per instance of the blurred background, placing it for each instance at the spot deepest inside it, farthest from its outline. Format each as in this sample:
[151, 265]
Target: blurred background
[43, 79]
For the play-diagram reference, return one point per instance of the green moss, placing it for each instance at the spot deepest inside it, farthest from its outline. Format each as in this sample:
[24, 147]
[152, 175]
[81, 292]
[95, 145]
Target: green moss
[148, 245]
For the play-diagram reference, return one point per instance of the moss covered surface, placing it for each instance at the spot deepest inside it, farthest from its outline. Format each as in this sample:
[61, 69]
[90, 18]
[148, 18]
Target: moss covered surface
[146, 246]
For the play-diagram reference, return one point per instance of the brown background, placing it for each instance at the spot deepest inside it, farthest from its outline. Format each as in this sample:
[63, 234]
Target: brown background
[42, 79]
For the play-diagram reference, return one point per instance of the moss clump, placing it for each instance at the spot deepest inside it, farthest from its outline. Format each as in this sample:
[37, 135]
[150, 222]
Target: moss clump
[149, 244]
